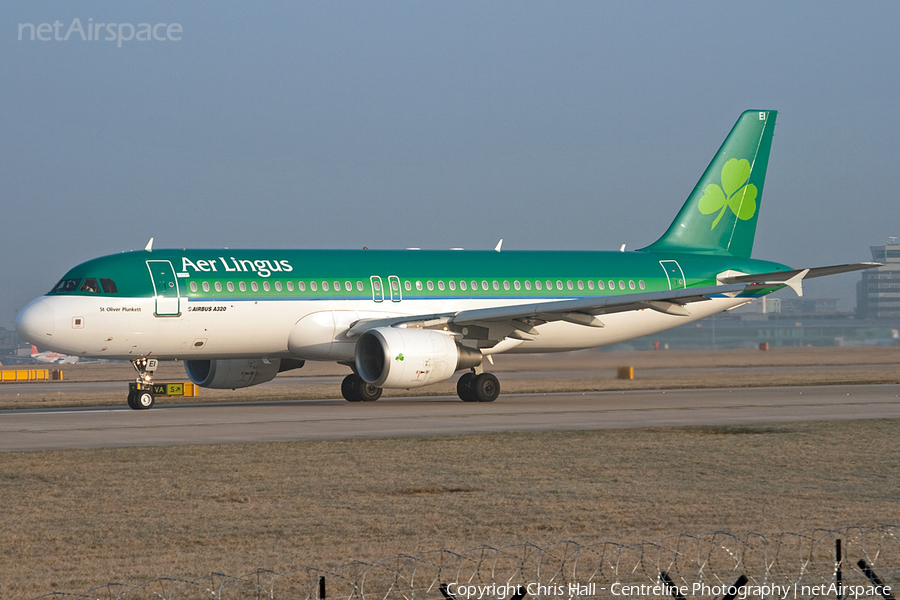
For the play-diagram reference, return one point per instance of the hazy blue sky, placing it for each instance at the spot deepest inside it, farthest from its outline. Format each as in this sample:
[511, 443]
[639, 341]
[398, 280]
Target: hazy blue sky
[554, 125]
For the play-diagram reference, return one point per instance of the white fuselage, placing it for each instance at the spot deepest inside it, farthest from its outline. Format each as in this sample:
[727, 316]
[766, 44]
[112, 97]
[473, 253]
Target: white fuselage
[126, 328]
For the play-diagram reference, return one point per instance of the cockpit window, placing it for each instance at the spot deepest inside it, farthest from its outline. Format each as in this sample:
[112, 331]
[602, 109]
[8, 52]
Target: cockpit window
[66, 285]
[109, 286]
[90, 285]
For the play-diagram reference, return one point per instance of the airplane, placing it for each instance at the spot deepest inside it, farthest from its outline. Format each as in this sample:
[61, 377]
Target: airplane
[52, 357]
[402, 319]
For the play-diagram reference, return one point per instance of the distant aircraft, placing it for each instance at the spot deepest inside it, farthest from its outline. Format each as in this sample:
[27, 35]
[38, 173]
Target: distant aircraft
[52, 357]
[409, 318]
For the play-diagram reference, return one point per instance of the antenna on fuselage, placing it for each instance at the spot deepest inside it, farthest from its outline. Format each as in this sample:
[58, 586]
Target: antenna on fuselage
[497, 247]
[149, 246]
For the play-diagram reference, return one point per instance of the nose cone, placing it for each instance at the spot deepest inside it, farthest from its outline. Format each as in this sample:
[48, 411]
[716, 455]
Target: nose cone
[36, 322]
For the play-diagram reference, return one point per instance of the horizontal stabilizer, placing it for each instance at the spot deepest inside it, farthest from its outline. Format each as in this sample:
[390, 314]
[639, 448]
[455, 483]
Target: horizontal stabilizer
[793, 278]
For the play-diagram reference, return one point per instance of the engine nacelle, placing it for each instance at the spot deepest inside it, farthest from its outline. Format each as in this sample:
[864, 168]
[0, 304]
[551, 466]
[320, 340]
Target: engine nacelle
[233, 373]
[389, 357]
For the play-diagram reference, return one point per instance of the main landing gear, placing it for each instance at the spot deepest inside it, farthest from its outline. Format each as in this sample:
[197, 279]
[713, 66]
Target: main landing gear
[478, 387]
[354, 389]
[141, 395]
[471, 387]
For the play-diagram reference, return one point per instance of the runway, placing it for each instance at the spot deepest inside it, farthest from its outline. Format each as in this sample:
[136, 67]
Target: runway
[336, 419]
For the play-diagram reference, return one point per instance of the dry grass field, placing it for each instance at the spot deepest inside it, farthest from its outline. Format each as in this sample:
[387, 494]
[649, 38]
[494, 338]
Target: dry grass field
[72, 520]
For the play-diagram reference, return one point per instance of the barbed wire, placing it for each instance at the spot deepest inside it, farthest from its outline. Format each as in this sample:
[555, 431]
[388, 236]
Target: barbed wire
[796, 566]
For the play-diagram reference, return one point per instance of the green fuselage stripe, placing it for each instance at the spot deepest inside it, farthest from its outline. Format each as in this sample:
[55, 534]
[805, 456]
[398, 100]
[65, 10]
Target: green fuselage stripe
[629, 272]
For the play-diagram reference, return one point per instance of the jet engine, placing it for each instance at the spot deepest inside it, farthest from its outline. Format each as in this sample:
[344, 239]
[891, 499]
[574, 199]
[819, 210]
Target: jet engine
[389, 357]
[233, 373]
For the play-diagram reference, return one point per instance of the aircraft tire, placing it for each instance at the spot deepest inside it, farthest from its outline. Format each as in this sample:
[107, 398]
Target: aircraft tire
[350, 388]
[465, 388]
[368, 392]
[131, 400]
[144, 400]
[486, 387]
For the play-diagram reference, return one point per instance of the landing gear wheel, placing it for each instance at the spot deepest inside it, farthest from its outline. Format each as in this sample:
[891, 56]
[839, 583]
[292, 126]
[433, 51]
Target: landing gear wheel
[354, 389]
[368, 392]
[486, 388]
[143, 399]
[131, 403]
[465, 388]
[350, 388]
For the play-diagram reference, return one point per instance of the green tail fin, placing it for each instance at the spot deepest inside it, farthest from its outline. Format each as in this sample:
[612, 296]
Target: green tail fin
[719, 217]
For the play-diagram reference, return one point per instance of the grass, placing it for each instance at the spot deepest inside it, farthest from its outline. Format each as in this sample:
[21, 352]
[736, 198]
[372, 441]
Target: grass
[72, 520]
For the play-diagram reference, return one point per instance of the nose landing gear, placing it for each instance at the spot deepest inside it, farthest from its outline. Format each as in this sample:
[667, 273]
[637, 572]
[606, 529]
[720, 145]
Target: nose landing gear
[141, 395]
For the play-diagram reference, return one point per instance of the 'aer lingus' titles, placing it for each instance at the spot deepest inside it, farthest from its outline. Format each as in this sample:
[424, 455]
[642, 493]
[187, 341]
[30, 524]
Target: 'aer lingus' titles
[263, 268]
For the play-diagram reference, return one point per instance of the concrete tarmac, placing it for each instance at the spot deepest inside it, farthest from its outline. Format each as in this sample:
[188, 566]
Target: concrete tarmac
[336, 419]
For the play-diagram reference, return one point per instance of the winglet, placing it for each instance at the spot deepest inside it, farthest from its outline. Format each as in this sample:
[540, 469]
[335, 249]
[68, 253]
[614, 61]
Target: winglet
[796, 282]
[497, 247]
[149, 246]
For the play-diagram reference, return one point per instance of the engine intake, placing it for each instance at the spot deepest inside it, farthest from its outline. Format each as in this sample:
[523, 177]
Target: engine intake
[391, 357]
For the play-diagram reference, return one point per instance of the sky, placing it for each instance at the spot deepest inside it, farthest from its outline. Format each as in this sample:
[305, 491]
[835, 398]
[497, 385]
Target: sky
[342, 124]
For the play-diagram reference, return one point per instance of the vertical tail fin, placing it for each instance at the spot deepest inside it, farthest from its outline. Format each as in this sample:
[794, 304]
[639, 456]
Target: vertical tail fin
[719, 217]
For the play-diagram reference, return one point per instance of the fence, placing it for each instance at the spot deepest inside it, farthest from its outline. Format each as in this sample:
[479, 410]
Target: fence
[843, 564]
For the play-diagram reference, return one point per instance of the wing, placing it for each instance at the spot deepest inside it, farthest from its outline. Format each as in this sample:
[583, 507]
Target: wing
[518, 320]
